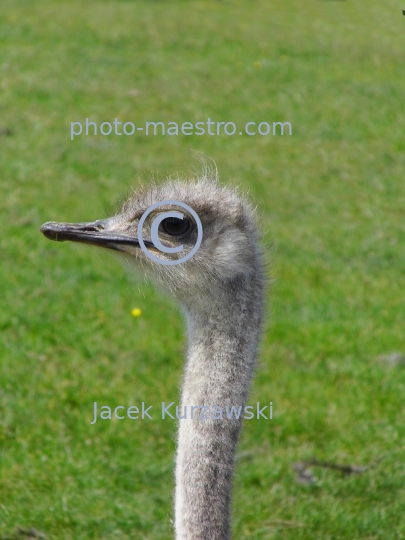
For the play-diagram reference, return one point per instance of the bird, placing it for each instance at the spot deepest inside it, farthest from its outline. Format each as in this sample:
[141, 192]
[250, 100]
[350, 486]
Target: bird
[220, 290]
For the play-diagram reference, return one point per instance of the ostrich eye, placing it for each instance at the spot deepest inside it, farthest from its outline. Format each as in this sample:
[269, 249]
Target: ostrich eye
[175, 226]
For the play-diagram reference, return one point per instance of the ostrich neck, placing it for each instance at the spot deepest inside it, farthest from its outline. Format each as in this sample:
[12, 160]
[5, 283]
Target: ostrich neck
[223, 339]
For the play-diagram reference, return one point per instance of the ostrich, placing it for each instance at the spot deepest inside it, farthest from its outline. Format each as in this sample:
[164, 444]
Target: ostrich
[220, 290]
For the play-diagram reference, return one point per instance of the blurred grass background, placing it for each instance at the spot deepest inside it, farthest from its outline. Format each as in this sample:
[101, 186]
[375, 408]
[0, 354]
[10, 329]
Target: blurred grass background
[332, 202]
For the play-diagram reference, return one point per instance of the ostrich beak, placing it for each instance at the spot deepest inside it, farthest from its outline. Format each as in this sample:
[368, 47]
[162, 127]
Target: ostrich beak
[97, 233]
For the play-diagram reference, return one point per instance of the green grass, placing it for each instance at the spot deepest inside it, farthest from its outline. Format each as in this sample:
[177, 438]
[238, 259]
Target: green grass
[332, 202]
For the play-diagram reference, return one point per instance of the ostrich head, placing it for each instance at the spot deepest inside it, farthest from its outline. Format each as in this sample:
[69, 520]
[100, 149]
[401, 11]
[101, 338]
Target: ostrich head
[228, 250]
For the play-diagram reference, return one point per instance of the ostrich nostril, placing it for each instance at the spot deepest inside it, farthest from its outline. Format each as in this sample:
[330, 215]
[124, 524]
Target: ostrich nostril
[94, 227]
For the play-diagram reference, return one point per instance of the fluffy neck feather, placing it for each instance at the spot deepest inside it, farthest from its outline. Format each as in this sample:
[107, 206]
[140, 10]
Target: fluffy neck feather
[223, 338]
